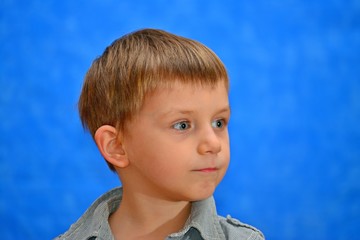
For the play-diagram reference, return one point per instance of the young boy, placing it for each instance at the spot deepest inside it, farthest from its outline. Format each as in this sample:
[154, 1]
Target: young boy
[157, 107]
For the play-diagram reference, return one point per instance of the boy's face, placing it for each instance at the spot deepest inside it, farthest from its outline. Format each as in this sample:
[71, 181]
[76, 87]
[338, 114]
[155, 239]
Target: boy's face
[178, 144]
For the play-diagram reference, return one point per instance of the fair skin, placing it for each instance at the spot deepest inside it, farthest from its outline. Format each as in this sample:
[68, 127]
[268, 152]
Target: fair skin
[174, 151]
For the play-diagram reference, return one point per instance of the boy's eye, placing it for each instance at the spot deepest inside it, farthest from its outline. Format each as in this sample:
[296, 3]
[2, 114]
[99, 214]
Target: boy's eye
[218, 123]
[181, 125]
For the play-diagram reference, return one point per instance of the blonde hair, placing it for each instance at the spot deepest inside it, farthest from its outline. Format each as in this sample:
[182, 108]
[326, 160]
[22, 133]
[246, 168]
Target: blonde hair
[137, 64]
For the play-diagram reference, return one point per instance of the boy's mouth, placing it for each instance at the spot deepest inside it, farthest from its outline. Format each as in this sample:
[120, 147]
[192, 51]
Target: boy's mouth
[206, 170]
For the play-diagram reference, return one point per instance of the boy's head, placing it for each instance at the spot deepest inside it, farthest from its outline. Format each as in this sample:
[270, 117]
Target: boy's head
[135, 66]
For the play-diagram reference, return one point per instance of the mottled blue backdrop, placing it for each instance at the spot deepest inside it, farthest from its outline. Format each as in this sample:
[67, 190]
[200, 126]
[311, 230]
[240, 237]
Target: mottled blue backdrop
[295, 95]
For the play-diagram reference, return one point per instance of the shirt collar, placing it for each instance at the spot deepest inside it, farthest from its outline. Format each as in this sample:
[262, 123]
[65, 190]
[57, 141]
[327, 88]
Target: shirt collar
[204, 219]
[102, 209]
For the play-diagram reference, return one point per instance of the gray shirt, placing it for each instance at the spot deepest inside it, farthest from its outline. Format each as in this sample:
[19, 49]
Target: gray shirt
[202, 224]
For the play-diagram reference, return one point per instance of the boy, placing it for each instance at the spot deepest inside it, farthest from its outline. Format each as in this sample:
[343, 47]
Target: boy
[157, 107]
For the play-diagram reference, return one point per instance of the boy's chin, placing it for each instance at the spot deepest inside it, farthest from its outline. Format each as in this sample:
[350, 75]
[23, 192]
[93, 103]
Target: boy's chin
[203, 197]
[202, 194]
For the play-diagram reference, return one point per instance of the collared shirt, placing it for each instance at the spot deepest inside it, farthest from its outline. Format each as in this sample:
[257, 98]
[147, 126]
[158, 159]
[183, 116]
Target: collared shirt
[202, 224]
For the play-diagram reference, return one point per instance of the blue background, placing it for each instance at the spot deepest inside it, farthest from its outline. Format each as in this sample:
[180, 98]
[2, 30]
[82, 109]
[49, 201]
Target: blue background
[295, 95]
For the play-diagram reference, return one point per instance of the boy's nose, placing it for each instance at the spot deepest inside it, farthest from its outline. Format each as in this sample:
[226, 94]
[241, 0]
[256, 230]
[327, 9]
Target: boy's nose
[209, 142]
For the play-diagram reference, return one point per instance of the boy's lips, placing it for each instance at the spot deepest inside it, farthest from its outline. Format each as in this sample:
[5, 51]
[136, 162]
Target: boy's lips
[206, 170]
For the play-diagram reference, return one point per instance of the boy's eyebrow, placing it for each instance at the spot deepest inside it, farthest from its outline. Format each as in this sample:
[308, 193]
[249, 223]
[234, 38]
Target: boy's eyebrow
[175, 110]
[225, 109]
[182, 111]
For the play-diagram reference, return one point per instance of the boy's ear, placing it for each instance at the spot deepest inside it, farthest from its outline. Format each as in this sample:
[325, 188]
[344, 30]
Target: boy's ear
[106, 138]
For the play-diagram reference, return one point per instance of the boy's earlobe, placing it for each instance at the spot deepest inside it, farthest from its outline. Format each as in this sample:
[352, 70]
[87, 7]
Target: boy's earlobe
[106, 138]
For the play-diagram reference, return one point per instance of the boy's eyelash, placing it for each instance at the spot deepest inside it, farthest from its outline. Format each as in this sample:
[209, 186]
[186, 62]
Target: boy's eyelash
[222, 121]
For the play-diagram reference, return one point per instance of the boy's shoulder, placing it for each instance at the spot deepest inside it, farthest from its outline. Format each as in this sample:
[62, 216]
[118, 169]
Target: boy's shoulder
[93, 223]
[235, 229]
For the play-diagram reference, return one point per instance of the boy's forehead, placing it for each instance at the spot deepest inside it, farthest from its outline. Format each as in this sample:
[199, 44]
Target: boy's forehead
[181, 94]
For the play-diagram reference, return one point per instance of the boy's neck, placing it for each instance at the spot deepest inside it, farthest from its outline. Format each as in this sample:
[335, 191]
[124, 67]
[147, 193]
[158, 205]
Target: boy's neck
[144, 217]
